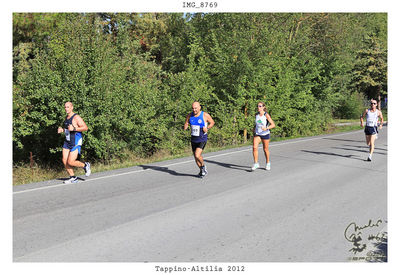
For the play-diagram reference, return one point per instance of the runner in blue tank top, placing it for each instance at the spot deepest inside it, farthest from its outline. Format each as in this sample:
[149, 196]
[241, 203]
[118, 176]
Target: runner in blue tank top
[73, 128]
[200, 122]
[371, 127]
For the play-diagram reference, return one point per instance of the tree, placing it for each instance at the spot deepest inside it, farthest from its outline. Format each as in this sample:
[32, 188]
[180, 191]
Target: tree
[133, 76]
[370, 69]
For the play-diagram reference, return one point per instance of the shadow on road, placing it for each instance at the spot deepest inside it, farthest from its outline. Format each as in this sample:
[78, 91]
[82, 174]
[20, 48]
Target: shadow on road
[364, 147]
[350, 140]
[167, 170]
[63, 179]
[333, 154]
[229, 165]
[357, 150]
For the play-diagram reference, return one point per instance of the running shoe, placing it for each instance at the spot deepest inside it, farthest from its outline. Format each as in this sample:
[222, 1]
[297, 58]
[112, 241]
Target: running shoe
[87, 169]
[255, 166]
[268, 167]
[204, 171]
[71, 180]
[369, 158]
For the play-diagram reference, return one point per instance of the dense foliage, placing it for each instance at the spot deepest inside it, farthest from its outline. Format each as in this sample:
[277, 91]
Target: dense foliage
[132, 77]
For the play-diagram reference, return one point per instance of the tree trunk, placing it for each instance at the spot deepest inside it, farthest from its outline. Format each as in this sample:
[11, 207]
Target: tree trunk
[379, 98]
[245, 130]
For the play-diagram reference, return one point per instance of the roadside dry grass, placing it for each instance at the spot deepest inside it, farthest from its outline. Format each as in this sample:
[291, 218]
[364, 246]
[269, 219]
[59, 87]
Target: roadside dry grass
[23, 174]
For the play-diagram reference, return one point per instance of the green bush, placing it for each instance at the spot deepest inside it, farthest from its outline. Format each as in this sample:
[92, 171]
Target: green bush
[133, 77]
[350, 107]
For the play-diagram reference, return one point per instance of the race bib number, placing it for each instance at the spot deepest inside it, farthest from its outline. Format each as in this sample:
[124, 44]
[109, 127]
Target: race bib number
[370, 123]
[195, 130]
[67, 134]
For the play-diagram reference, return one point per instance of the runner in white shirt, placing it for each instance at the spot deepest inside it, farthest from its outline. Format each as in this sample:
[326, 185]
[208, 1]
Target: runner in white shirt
[371, 127]
[263, 123]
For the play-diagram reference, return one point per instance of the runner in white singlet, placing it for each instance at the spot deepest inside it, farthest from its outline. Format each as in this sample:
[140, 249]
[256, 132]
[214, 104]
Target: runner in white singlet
[263, 124]
[371, 126]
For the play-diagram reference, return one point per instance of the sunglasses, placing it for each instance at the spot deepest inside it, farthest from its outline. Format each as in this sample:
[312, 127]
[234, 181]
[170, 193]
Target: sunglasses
[259, 106]
[373, 103]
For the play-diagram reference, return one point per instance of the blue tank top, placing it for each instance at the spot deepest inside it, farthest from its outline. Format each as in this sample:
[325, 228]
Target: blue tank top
[196, 125]
[72, 137]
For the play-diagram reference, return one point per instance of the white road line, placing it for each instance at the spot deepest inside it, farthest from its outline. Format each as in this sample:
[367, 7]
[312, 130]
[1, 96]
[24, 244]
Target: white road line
[177, 163]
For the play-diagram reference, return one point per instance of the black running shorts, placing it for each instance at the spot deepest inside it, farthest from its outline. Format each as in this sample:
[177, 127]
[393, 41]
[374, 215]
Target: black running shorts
[370, 130]
[263, 137]
[200, 145]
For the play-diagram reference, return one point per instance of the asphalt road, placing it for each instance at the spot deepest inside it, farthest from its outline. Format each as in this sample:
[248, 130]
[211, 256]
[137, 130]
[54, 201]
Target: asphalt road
[298, 211]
